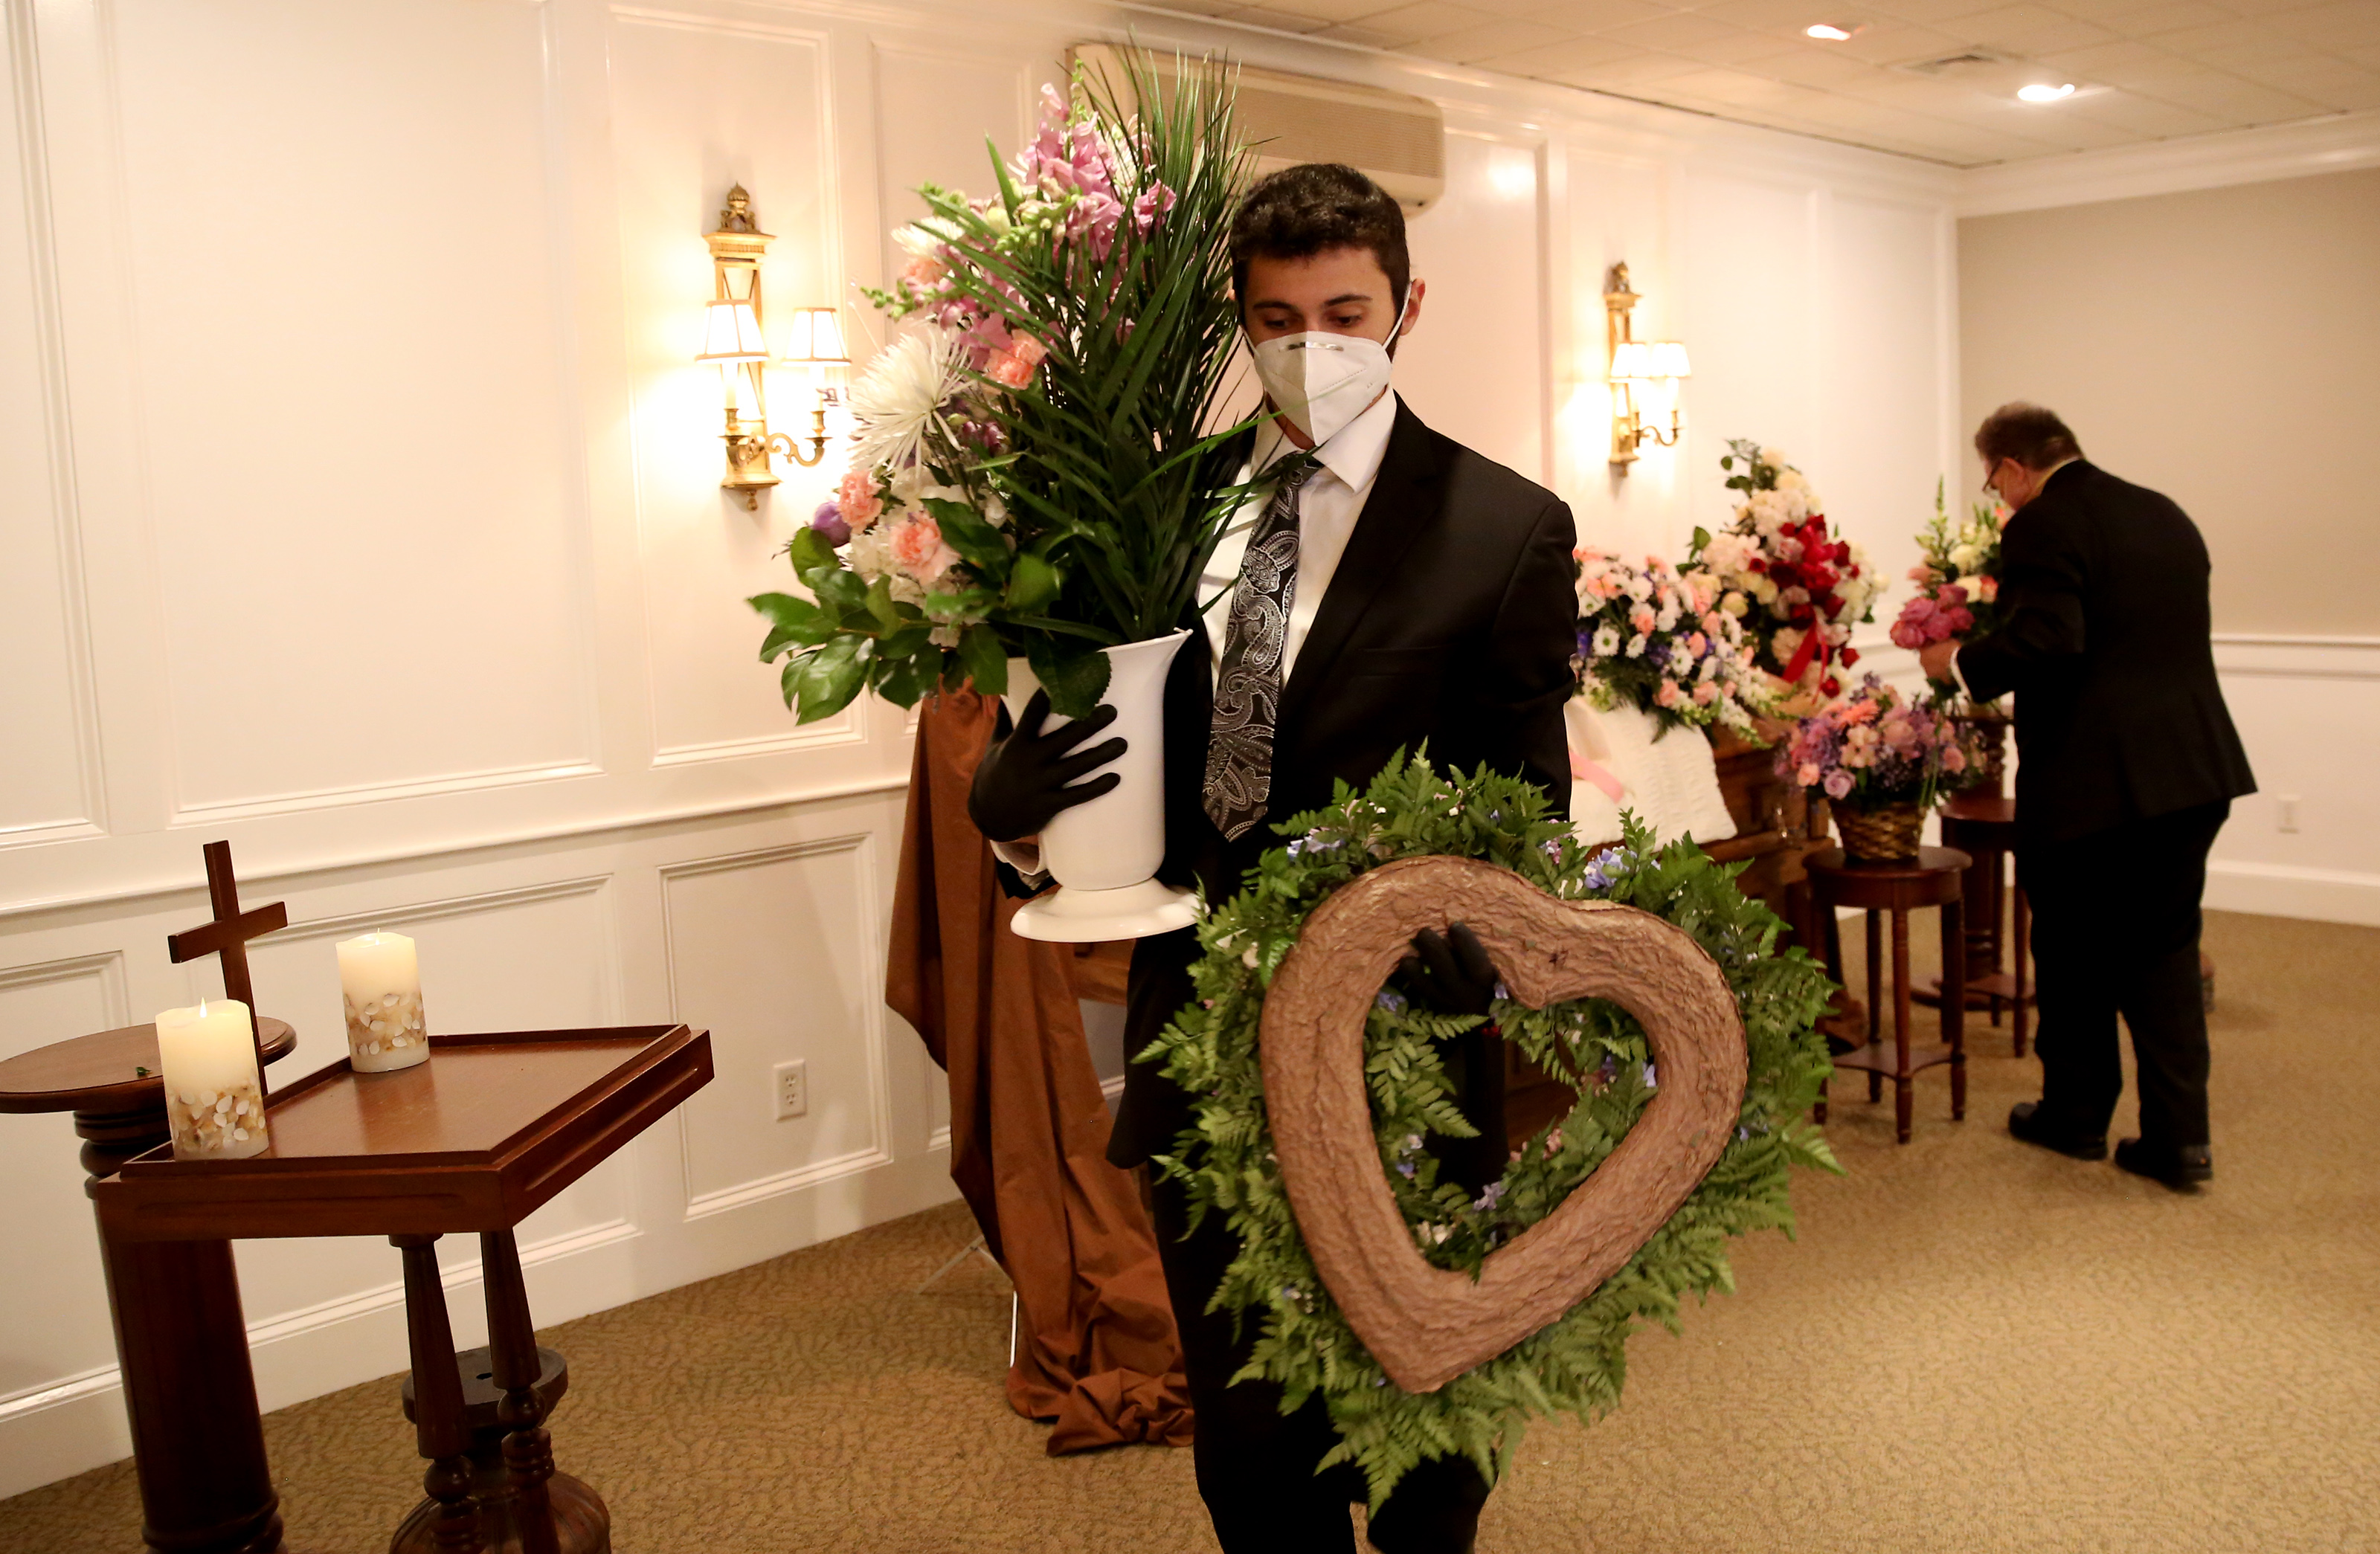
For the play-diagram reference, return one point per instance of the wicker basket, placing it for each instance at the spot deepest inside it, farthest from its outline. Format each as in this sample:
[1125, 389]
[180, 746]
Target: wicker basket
[1885, 833]
[1986, 735]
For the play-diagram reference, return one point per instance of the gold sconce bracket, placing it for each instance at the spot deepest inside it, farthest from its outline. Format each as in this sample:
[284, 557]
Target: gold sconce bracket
[1629, 362]
[736, 343]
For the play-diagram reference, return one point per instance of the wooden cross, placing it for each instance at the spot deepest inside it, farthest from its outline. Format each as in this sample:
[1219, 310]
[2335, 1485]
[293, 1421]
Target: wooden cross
[228, 935]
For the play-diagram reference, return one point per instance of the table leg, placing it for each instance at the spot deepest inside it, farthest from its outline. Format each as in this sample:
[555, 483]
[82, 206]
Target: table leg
[2023, 934]
[1874, 999]
[1830, 950]
[190, 1392]
[1903, 1101]
[512, 1341]
[1995, 904]
[438, 1424]
[1954, 1006]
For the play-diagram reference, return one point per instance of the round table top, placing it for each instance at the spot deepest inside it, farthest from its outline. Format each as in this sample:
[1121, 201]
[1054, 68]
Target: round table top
[1988, 808]
[97, 1072]
[1928, 880]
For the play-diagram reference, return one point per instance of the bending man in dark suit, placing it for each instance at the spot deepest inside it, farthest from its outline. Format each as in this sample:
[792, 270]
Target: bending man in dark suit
[1402, 589]
[2127, 767]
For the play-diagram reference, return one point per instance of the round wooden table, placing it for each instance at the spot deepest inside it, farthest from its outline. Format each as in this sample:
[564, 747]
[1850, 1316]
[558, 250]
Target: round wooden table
[1934, 877]
[190, 1393]
[1983, 827]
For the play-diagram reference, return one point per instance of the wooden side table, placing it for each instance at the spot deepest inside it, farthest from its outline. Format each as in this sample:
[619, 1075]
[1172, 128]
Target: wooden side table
[181, 1342]
[1932, 879]
[1983, 826]
[474, 1140]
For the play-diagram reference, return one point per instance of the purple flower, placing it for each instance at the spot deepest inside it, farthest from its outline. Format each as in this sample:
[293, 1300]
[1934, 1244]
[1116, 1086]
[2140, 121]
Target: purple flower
[1839, 783]
[1487, 1201]
[1390, 1001]
[1650, 1083]
[828, 521]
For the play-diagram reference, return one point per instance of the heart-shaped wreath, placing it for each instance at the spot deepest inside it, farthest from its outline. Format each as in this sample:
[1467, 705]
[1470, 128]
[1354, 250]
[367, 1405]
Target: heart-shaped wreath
[1227, 1162]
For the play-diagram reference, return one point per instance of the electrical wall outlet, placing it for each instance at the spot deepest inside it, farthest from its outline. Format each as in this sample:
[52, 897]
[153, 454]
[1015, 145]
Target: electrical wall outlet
[792, 1086]
[2289, 803]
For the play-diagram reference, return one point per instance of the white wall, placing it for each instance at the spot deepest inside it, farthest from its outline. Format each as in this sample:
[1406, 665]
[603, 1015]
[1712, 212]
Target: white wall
[360, 506]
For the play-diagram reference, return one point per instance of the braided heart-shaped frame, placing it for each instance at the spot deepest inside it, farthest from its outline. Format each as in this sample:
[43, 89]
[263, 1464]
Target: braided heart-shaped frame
[1425, 1326]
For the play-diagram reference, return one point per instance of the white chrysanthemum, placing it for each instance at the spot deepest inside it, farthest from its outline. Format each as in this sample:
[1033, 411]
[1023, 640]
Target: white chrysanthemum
[899, 399]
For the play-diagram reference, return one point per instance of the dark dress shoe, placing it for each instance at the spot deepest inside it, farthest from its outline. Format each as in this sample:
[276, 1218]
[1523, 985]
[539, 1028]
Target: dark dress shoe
[2180, 1167]
[2026, 1122]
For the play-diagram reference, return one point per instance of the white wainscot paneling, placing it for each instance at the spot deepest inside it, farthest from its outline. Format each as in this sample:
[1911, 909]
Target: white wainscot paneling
[697, 108]
[1885, 381]
[58, 1332]
[778, 954]
[934, 110]
[2308, 710]
[47, 784]
[537, 957]
[1750, 319]
[1473, 368]
[358, 464]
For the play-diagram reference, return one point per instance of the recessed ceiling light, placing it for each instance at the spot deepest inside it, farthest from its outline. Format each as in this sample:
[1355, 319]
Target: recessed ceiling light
[2042, 92]
[1828, 31]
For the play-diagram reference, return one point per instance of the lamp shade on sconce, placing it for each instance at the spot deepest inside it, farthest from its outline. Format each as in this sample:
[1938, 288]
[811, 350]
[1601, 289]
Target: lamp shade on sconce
[1670, 360]
[732, 332]
[1633, 359]
[817, 337]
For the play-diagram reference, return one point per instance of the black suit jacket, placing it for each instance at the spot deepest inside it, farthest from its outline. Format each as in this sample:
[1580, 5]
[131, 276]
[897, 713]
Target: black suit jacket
[1452, 620]
[2120, 717]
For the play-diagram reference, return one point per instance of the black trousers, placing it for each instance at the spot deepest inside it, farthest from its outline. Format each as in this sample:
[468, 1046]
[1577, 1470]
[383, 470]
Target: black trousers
[1255, 1465]
[2115, 931]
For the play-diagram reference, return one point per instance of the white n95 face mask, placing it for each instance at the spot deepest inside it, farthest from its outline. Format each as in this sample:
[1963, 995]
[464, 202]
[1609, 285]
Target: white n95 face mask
[1321, 380]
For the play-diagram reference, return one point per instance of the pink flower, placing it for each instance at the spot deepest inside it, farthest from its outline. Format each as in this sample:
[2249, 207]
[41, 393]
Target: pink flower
[859, 502]
[1808, 774]
[917, 547]
[1152, 205]
[1698, 644]
[1668, 695]
[1987, 587]
[1705, 694]
[1029, 350]
[1953, 759]
[1839, 783]
[1642, 618]
[923, 270]
[1006, 371]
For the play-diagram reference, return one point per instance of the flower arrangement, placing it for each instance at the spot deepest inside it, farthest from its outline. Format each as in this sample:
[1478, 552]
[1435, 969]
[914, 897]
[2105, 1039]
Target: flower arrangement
[1873, 748]
[1652, 639]
[1034, 471]
[1227, 1165]
[1809, 588]
[1958, 581]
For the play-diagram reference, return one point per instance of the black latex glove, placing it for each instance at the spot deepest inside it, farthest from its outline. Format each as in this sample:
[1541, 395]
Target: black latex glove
[1453, 976]
[1026, 776]
[1449, 976]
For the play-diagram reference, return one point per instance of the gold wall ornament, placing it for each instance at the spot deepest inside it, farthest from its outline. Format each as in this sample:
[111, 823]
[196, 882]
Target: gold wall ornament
[1630, 362]
[735, 341]
[1425, 1325]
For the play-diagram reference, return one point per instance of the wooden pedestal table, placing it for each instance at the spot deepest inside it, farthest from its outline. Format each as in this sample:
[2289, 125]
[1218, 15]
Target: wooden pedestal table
[190, 1395]
[474, 1140]
[1983, 827]
[1931, 878]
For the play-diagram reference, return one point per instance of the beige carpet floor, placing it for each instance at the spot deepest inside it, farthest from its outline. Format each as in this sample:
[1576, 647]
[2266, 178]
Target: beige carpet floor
[1974, 1345]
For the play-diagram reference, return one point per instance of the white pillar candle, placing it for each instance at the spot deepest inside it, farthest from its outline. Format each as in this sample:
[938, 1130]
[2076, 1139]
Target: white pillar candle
[382, 984]
[214, 1099]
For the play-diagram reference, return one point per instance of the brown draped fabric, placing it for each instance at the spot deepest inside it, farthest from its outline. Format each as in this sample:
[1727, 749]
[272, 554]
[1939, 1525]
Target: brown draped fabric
[1096, 1351]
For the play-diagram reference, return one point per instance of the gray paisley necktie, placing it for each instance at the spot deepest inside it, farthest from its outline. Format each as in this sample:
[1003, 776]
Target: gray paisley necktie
[1247, 693]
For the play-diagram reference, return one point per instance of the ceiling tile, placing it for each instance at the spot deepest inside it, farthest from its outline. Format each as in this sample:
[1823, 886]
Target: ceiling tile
[1675, 30]
[2230, 40]
[1893, 43]
[1731, 86]
[1809, 68]
[2162, 16]
[2025, 30]
[1926, 13]
[1489, 38]
[2145, 116]
[1322, 11]
[1737, 46]
[1595, 15]
[1428, 19]
[2343, 25]
[1636, 74]
[1781, 15]
[1278, 20]
[2088, 62]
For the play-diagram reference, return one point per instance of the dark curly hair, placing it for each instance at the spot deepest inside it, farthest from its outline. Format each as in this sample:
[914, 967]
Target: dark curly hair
[2033, 436]
[1303, 211]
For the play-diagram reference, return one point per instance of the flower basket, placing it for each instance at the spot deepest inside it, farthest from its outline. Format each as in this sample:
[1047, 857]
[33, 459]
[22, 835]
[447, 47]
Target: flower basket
[1881, 832]
[1984, 730]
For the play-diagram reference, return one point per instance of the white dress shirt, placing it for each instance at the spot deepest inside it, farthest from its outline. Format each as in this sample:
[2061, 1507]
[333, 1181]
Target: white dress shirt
[1328, 506]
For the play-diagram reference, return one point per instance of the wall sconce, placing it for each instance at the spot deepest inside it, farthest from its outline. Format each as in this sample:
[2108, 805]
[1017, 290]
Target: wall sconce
[1633, 363]
[733, 341]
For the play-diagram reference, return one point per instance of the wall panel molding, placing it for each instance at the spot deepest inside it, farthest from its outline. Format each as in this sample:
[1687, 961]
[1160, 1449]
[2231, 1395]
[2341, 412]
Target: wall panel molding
[2337, 143]
[108, 967]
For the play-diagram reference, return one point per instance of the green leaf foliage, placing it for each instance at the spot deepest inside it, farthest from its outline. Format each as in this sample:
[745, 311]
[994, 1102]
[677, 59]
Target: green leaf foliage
[1225, 1160]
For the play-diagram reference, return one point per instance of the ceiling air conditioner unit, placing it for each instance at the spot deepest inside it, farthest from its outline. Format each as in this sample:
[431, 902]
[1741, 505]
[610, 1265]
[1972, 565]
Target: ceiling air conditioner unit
[1397, 140]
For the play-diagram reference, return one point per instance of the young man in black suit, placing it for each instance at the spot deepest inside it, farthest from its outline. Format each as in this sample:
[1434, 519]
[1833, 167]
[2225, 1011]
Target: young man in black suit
[1403, 589]
[2127, 767]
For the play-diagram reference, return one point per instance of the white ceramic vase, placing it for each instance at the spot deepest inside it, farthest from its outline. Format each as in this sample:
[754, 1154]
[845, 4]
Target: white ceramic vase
[1105, 854]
